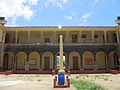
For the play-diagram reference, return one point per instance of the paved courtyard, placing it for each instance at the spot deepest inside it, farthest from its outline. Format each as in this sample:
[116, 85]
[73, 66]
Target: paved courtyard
[45, 82]
[28, 82]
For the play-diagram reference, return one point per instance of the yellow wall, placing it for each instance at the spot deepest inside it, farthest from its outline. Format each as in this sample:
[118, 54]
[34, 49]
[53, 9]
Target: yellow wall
[88, 55]
[21, 59]
[1, 35]
[111, 59]
[10, 60]
[11, 36]
[88, 36]
[73, 33]
[35, 37]
[100, 38]
[34, 59]
[48, 35]
[100, 59]
[110, 36]
[23, 37]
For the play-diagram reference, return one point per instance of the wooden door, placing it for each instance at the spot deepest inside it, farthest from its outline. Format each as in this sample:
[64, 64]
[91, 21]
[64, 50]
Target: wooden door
[46, 62]
[75, 62]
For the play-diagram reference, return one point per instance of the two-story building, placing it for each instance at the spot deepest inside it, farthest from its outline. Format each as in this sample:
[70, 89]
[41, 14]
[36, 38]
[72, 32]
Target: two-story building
[37, 48]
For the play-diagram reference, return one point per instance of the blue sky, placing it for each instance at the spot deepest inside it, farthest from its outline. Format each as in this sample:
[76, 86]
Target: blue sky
[60, 12]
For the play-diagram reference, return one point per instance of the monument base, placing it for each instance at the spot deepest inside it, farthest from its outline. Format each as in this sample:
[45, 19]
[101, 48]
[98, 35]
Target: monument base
[67, 83]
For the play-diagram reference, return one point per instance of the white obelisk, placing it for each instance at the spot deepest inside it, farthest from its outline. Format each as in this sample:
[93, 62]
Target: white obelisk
[61, 70]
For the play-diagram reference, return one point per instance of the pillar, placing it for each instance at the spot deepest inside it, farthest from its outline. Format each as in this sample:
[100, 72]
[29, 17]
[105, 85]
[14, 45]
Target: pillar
[41, 60]
[93, 36]
[105, 37]
[29, 36]
[94, 63]
[54, 36]
[81, 68]
[16, 36]
[67, 61]
[118, 60]
[27, 62]
[79, 37]
[54, 60]
[2, 49]
[39, 63]
[107, 62]
[42, 41]
[117, 37]
[67, 36]
[14, 62]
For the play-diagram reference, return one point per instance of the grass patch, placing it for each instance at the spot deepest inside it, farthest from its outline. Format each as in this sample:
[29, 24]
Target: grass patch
[86, 85]
[83, 75]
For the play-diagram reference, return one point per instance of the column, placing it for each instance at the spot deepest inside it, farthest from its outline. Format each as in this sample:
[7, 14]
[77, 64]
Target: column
[80, 33]
[117, 37]
[14, 62]
[16, 36]
[54, 37]
[67, 61]
[93, 36]
[67, 36]
[94, 63]
[29, 36]
[41, 60]
[42, 41]
[27, 62]
[119, 34]
[54, 60]
[81, 68]
[2, 48]
[105, 38]
[39, 63]
[107, 62]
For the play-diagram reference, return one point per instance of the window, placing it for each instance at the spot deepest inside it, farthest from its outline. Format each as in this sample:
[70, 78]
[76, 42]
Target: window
[47, 40]
[83, 36]
[95, 36]
[74, 38]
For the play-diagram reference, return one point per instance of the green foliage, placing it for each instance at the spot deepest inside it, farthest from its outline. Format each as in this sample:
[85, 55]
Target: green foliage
[86, 85]
[86, 75]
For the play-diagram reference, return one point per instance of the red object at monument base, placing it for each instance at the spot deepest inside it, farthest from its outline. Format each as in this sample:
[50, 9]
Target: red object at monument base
[67, 83]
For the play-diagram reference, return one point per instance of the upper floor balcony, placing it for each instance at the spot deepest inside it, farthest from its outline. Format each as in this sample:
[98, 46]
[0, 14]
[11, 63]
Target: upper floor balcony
[75, 37]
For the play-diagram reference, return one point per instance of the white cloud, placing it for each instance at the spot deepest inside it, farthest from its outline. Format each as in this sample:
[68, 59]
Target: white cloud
[16, 8]
[68, 17]
[85, 18]
[57, 3]
[95, 2]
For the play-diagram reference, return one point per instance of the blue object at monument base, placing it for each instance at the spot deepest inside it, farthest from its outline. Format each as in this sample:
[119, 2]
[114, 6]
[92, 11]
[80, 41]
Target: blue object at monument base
[61, 79]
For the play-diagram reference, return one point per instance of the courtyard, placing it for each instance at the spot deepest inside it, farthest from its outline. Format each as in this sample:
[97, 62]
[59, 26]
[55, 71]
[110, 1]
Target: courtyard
[45, 81]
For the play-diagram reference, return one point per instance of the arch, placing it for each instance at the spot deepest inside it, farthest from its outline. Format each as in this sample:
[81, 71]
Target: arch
[88, 60]
[21, 58]
[101, 60]
[47, 60]
[58, 60]
[113, 60]
[114, 38]
[34, 60]
[8, 60]
[74, 60]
